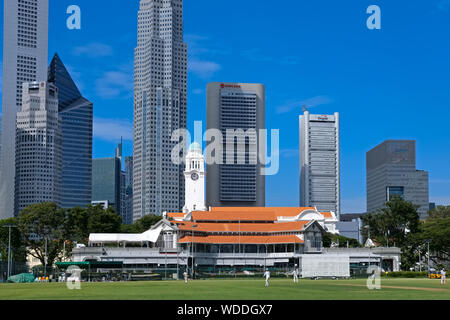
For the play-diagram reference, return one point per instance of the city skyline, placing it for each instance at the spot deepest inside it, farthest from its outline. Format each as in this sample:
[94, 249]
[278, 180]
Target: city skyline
[285, 102]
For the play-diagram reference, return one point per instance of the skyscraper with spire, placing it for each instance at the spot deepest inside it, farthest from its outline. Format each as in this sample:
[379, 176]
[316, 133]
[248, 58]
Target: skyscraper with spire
[160, 86]
[76, 129]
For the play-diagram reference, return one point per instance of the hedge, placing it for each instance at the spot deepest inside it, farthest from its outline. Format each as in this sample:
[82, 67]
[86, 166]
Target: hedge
[405, 274]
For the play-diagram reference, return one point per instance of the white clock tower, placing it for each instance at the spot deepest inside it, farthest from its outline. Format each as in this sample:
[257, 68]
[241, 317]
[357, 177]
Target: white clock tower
[194, 176]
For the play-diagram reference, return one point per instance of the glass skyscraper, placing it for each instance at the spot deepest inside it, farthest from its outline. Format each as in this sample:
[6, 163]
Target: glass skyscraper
[106, 178]
[231, 107]
[320, 162]
[391, 171]
[76, 115]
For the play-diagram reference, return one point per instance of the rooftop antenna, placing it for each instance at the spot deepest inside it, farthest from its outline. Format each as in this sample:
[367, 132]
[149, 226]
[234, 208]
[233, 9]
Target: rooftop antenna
[304, 109]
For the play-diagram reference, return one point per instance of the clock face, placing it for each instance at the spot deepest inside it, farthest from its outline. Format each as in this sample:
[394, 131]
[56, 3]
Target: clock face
[194, 176]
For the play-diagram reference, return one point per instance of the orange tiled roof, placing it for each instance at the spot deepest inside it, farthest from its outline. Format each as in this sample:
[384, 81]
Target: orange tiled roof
[243, 227]
[278, 211]
[327, 214]
[176, 215]
[242, 239]
[234, 215]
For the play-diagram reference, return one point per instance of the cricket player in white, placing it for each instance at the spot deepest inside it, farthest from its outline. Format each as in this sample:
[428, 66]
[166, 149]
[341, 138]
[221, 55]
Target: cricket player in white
[295, 275]
[185, 274]
[267, 275]
[443, 277]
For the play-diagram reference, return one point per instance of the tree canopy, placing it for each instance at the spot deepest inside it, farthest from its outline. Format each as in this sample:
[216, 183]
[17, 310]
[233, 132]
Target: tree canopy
[437, 229]
[44, 226]
[397, 224]
[18, 251]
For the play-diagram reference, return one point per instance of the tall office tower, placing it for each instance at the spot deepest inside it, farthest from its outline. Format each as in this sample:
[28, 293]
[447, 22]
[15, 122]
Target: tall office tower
[160, 85]
[38, 147]
[128, 216]
[391, 171]
[76, 129]
[234, 106]
[25, 47]
[320, 162]
[106, 180]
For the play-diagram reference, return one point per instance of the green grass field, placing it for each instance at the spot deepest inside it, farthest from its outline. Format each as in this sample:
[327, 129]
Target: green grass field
[280, 289]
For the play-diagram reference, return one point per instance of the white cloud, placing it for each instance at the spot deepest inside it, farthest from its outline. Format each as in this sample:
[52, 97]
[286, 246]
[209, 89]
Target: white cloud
[93, 50]
[112, 130]
[114, 84]
[203, 69]
[310, 103]
[198, 91]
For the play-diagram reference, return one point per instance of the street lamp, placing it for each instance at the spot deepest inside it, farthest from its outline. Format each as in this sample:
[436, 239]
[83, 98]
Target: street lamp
[192, 245]
[428, 243]
[368, 242]
[9, 226]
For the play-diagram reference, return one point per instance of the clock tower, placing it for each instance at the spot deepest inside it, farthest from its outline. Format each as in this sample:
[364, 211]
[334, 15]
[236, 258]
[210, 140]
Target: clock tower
[194, 176]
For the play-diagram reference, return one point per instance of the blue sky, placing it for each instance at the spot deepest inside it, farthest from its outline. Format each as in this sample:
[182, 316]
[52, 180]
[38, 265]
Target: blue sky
[392, 83]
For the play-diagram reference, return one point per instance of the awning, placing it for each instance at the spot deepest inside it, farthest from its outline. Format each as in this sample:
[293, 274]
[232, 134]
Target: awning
[150, 236]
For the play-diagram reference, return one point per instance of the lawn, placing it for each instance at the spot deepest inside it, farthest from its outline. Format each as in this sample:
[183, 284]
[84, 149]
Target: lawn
[280, 289]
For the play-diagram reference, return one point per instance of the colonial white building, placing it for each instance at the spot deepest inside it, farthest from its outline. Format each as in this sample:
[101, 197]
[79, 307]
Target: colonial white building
[220, 238]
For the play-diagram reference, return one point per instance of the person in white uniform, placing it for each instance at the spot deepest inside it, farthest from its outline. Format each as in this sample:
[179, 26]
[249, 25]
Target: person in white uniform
[295, 275]
[267, 276]
[443, 276]
[185, 274]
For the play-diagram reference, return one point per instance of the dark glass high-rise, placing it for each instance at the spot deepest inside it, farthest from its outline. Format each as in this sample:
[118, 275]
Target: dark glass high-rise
[76, 113]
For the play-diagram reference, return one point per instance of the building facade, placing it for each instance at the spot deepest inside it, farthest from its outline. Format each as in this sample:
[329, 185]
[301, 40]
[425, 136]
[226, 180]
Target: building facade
[106, 177]
[320, 162]
[38, 147]
[391, 171]
[232, 107]
[25, 49]
[127, 215]
[160, 94]
[76, 128]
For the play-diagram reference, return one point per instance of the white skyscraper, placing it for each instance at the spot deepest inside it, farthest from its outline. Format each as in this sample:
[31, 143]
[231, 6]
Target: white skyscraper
[38, 147]
[25, 47]
[160, 85]
[320, 162]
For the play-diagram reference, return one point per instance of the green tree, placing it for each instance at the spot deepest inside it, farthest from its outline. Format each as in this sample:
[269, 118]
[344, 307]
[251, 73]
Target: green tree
[437, 229]
[141, 225]
[329, 238]
[18, 250]
[100, 220]
[43, 226]
[397, 224]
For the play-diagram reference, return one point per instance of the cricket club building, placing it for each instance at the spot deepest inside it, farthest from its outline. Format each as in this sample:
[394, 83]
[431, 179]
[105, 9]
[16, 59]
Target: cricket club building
[222, 238]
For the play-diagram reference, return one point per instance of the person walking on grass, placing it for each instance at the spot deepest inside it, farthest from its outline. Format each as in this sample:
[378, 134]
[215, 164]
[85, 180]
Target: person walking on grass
[443, 276]
[185, 274]
[267, 276]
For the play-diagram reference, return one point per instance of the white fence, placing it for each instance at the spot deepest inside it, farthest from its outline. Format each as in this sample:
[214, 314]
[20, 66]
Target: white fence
[325, 266]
